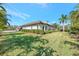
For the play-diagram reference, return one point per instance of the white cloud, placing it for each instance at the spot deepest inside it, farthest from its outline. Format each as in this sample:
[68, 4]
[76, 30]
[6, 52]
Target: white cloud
[43, 4]
[18, 14]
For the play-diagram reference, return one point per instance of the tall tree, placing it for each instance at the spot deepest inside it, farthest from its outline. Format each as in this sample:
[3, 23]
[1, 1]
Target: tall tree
[3, 17]
[74, 17]
[63, 20]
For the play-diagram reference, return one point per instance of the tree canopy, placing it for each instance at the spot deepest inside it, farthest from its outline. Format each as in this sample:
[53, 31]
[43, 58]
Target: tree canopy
[3, 17]
[74, 18]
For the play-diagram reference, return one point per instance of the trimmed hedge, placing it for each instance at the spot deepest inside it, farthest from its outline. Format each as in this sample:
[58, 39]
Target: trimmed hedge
[37, 31]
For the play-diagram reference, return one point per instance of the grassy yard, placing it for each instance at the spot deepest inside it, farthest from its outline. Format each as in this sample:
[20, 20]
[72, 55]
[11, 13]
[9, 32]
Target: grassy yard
[58, 40]
[56, 43]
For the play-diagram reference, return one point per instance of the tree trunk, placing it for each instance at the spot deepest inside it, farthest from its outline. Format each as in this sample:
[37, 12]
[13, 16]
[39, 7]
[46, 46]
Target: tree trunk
[0, 33]
[63, 27]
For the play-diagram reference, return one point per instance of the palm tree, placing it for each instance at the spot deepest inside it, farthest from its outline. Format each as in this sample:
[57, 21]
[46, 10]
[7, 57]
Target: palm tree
[77, 7]
[3, 17]
[63, 19]
[74, 15]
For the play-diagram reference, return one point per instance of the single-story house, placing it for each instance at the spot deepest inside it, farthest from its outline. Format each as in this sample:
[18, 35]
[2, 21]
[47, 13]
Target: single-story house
[38, 25]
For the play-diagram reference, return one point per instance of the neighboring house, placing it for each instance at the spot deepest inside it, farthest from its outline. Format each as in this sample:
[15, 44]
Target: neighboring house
[39, 25]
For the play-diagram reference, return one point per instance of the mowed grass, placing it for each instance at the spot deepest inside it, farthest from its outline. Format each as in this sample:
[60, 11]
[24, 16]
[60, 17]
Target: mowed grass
[34, 44]
[57, 41]
[23, 45]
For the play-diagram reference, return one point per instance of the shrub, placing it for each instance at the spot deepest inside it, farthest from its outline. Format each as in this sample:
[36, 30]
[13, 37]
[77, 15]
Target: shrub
[33, 31]
[74, 31]
[37, 31]
[48, 31]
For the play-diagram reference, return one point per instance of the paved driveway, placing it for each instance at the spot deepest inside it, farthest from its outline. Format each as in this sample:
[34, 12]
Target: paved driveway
[9, 31]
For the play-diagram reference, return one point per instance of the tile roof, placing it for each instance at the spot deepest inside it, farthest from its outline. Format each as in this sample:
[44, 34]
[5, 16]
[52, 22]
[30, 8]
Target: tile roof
[35, 23]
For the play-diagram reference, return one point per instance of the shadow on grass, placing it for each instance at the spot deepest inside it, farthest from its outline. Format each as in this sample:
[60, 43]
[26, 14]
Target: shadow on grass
[72, 43]
[27, 43]
[44, 51]
[73, 46]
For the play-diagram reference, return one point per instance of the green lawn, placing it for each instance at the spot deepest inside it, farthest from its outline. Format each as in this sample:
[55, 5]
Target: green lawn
[56, 43]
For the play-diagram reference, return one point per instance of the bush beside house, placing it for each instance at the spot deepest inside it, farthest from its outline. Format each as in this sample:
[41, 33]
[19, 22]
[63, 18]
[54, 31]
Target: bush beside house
[37, 31]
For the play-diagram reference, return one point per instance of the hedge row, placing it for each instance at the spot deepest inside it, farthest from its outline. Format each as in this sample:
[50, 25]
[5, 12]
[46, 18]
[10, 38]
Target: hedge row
[37, 31]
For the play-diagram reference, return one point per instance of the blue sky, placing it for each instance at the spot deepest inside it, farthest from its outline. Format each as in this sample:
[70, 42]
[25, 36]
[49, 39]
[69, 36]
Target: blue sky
[22, 13]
